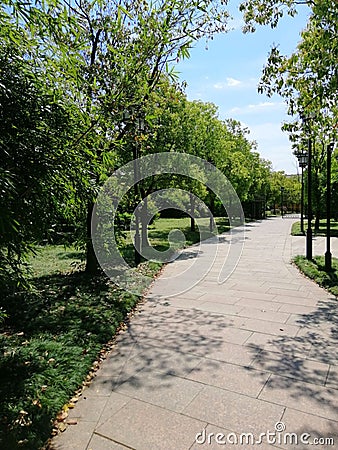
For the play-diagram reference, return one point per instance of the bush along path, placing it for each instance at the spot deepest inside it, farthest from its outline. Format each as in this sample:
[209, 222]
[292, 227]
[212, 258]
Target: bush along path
[315, 270]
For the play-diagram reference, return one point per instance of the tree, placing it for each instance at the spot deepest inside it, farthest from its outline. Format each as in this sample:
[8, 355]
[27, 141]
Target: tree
[307, 79]
[41, 171]
[111, 57]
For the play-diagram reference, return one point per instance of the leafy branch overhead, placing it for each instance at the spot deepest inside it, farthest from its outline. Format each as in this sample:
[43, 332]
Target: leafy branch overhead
[268, 12]
[308, 78]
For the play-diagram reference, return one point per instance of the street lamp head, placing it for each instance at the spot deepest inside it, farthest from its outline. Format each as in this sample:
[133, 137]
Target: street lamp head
[331, 146]
[132, 115]
[302, 158]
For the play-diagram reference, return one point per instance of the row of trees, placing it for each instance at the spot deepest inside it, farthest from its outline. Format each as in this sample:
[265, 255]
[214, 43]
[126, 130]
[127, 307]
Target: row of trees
[68, 71]
[308, 82]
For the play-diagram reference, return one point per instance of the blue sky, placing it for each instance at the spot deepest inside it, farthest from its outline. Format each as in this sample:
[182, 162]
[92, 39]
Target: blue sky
[227, 74]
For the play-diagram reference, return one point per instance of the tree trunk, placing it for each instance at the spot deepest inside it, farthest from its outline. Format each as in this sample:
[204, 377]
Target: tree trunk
[211, 219]
[92, 264]
[192, 212]
[317, 221]
[144, 224]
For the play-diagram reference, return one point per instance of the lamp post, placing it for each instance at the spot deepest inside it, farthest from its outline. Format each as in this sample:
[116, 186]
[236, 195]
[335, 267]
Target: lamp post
[306, 121]
[302, 161]
[281, 199]
[328, 256]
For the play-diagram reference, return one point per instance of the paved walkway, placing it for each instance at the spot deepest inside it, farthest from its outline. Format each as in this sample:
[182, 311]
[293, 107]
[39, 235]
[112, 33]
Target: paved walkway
[238, 357]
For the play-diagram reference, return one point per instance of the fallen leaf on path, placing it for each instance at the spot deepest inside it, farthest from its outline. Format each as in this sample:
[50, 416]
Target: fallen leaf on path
[71, 422]
[62, 416]
[62, 427]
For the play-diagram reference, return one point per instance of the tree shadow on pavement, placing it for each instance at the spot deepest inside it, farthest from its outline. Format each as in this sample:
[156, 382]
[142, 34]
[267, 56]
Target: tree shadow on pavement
[303, 375]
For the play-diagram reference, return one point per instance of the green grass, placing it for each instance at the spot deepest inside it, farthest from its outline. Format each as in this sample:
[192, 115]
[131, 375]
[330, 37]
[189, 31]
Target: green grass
[315, 270]
[296, 231]
[54, 259]
[55, 332]
[158, 234]
[50, 340]
[159, 231]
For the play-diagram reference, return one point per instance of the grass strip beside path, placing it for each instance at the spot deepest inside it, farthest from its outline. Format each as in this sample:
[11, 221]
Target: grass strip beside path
[54, 334]
[315, 270]
[50, 341]
[296, 231]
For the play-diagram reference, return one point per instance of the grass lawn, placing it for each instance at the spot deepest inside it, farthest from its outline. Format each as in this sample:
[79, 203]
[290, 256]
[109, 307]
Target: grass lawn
[158, 234]
[159, 231]
[54, 335]
[295, 231]
[50, 341]
[315, 270]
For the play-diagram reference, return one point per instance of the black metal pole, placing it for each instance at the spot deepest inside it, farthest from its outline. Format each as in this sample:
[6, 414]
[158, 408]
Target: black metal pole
[309, 203]
[302, 203]
[328, 256]
[211, 218]
[281, 200]
[137, 240]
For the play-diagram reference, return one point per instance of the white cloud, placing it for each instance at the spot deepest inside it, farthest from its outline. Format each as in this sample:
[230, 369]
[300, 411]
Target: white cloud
[257, 107]
[231, 82]
[235, 110]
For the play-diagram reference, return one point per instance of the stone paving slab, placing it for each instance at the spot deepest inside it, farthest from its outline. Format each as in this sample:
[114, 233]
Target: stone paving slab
[332, 378]
[232, 357]
[258, 304]
[243, 380]
[167, 391]
[162, 359]
[143, 426]
[232, 353]
[234, 411]
[262, 314]
[296, 309]
[102, 443]
[314, 426]
[293, 346]
[324, 353]
[75, 437]
[289, 365]
[265, 326]
[302, 396]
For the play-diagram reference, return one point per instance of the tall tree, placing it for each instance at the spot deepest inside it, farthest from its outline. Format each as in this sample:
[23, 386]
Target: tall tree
[41, 172]
[111, 57]
[307, 79]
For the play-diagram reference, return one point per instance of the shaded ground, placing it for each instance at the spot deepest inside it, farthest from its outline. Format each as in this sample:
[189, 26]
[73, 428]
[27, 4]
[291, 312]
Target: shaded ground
[233, 357]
